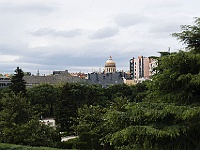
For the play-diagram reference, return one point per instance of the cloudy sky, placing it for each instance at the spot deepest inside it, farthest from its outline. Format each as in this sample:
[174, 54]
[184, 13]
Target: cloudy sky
[80, 35]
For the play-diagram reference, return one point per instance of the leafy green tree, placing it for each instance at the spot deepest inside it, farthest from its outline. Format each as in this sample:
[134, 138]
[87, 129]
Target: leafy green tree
[43, 98]
[73, 96]
[118, 90]
[18, 84]
[153, 126]
[139, 91]
[90, 119]
[178, 78]
[90, 125]
[20, 125]
[93, 95]
[190, 36]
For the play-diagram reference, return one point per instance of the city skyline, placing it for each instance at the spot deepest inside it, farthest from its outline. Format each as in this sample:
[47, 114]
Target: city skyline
[81, 35]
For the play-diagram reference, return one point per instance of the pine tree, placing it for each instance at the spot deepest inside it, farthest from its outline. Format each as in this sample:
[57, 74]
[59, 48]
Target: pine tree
[18, 85]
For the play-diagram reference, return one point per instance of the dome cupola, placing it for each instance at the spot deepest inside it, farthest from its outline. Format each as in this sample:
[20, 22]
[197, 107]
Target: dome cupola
[110, 66]
[110, 63]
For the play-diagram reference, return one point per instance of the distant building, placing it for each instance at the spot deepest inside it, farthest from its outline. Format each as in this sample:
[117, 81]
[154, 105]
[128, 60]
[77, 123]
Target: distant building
[79, 74]
[106, 80]
[108, 77]
[49, 122]
[141, 67]
[61, 72]
[4, 81]
[110, 66]
[57, 77]
[129, 81]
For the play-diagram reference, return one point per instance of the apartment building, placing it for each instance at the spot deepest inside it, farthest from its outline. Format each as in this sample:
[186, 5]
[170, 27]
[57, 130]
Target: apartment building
[141, 67]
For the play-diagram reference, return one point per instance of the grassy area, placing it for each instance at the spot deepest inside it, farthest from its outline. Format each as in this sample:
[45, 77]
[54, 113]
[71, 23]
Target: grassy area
[4, 146]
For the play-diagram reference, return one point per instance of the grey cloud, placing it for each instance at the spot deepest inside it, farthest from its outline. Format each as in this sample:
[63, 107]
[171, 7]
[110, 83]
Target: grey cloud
[54, 57]
[56, 33]
[165, 30]
[127, 20]
[167, 4]
[11, 49]
[38, 8]
[105, 33]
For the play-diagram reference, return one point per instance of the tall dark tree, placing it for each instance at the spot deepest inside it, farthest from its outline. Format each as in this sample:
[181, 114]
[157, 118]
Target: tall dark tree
[66, 107]
[18, 85]
[43, 97]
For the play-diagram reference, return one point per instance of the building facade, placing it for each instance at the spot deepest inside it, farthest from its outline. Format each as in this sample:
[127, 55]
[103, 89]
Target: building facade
[141, 67]
[4, 81]
[105, 80]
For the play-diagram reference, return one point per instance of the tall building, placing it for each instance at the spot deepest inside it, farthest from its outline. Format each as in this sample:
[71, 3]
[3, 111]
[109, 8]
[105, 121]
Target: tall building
[141, 67]
[110, 66]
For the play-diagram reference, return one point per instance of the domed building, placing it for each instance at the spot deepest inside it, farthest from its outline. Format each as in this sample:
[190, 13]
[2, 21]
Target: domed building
[110, 66]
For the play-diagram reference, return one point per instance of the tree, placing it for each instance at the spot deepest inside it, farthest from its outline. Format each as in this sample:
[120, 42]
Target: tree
[89, 127]
[43, 98]
[90, 119]
[73, 96]
[139, 91]
[118, 90]
[177, 79]
[190, 36]
[66, 108]
[18, 85]
[19, 124]
[153, 126]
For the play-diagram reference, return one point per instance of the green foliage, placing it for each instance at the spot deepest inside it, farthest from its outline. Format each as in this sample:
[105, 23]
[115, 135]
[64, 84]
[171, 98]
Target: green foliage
[73, 96]
[151, 125]
[90, 119]
[15, 109]
[66, 107]
[91, 141]
[164, 53]
[118, 90]
[118, 103]
[19, 125]
[178, 78]
[139, 92]
[18, 85]
[43, 98]
[190, 36]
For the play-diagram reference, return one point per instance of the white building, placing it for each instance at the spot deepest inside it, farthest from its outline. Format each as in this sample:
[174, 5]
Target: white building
[49, 122]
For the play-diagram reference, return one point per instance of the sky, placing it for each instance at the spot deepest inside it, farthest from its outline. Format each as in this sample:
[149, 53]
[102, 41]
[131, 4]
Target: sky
[80, 35]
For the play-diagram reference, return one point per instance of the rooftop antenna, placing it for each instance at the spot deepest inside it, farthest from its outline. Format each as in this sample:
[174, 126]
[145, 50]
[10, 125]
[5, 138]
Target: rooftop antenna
[38, 72]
